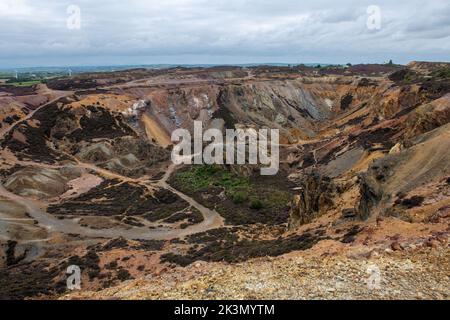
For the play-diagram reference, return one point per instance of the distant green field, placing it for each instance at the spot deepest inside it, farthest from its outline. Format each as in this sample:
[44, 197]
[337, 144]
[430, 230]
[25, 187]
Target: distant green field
[24, 83]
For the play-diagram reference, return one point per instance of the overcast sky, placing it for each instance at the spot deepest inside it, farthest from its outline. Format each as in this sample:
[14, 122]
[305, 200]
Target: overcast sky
[35, 33]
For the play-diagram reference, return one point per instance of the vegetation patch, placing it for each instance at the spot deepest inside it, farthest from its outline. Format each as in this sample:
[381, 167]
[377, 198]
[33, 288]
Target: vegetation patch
[239, 199]
[192, 215]
[150, 245]
[37, 137]
[23, 83]
[201, 177]
[101, 124]
[123, 275]
[122, 243]
[30, 280]
[117, 243]
[88, 263]
[232, 249]
[107, 199]
[414, 201]
[122, 200]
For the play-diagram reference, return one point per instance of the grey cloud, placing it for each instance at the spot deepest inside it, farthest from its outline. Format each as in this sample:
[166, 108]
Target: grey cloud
[219, 31]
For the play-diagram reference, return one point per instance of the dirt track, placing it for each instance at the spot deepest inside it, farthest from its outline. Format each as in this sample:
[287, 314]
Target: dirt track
[36, 209]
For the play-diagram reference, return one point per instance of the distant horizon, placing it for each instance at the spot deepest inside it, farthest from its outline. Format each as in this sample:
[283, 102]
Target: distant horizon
[228, 64]
[168, 65]
[173, 65]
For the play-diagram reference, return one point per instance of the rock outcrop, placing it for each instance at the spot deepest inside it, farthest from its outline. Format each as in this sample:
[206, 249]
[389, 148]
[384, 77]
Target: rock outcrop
[315, 196]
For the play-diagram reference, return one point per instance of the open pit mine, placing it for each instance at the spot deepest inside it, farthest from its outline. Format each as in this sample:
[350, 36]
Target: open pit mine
[359, 208]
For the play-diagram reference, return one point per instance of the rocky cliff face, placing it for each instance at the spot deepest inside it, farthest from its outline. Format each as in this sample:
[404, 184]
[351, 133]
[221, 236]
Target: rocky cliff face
[292, 106]
[376, 139]
[313, 198]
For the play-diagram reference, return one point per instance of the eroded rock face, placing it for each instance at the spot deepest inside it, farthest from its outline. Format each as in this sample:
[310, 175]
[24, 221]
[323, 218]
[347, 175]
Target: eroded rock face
[428, 117]
[41, 182]
[314, 198]
[405, 172]
[370, 195]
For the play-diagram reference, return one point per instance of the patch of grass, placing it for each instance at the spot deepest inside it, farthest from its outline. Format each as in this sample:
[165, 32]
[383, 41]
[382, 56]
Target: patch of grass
[247, 200]
[240, 197]
[441, 73]
[232, 249]
[256, 204]
[198, 178]
[24, 83]
[276, 198]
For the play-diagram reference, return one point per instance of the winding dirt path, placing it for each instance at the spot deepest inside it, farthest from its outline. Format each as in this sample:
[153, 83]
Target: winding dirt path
[211, 219]
[36, 210]
[52, 224]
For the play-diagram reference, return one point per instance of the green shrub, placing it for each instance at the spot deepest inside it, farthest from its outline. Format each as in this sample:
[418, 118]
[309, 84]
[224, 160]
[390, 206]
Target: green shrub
[199, 177]
[256, 204]
[240, 197]
[441, 73]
